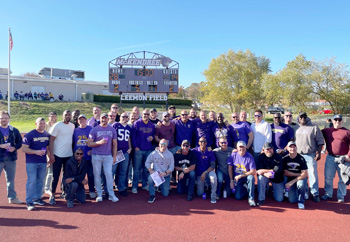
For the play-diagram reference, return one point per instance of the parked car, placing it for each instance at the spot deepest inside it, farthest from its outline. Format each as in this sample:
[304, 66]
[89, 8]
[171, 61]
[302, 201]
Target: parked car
[326, 111]
[272, 110]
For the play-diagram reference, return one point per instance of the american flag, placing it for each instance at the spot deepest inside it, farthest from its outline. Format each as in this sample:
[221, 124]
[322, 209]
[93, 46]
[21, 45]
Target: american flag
[11, 41]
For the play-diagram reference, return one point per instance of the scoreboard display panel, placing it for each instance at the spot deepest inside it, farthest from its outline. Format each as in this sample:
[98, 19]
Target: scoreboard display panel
[141, 75]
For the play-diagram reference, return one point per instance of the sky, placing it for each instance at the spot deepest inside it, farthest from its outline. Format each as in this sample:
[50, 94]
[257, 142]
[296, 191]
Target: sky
[86, 35]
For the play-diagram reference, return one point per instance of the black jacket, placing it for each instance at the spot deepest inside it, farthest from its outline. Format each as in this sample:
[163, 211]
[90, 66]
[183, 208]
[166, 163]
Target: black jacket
[75, 171]
[15, 139]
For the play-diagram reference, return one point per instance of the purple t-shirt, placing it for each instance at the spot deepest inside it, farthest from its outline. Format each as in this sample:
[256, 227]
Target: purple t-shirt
[204, 160]
[80, 137]
[93, 122]
[281, 135]
[183, 131]
[242, 130]
[242, 164]
[123, 134]
[204, 130]
[140, 133]
[5, 132]
[168, 133]
[36, 141]
[98, 133]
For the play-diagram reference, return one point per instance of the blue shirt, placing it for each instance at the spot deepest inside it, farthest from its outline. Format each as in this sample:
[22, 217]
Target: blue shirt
[36, 141]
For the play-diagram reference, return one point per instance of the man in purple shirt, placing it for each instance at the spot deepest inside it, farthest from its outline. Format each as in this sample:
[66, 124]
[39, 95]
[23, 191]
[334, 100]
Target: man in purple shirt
[243, 130]
[95, 120]
[203, 128]
[281, 134]
[205, 169]
[35, 144]
[242, 170]
[142, 136]
[80, 138]
[103, 140]
[184, 129]
[124, 145]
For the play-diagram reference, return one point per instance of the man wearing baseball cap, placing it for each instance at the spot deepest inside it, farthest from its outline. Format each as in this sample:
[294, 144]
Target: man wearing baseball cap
[172, 112]
[338, 146]
[153, 116]
[166, 131]
[185, 164]
[295, 169]
[242, 170]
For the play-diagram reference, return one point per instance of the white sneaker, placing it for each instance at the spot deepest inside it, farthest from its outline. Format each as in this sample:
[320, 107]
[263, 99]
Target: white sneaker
[286, 194]
[301, 206]
[30, 207]
[48, 192]
[15, 201]
[134, 190]
[113, 198]
[99, 199]
[92, 195]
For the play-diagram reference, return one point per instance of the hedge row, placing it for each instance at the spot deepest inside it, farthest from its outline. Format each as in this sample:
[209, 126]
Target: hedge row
[116, 99]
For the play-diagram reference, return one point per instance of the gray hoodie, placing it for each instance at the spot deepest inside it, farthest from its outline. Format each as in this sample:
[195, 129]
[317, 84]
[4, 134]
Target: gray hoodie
[161, 161]
[308, 138]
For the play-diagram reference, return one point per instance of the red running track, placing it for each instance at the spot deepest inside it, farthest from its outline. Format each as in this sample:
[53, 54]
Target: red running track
[172, 218]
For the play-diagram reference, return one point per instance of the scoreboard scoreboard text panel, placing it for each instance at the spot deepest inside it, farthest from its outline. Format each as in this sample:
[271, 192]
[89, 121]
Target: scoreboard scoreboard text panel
[143, 80]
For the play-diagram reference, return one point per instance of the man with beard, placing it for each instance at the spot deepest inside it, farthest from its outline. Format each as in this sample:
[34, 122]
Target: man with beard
[166, 130]
[193, 114]
[60, 149]
[220, 130]
[75, 115]
[184, 129]
[153, 116]
[281, 134]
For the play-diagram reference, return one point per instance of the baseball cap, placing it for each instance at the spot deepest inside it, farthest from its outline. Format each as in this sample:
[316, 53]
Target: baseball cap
[153, 110]
[291, 143]
[268, 145]
[241, 143]
[165, 114]
[172, 106]
[104, 115]
[82, 116]
[337, 116]
[185, 141]
[302, 114]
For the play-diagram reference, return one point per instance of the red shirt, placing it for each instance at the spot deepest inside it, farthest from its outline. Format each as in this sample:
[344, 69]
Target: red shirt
[337, 141]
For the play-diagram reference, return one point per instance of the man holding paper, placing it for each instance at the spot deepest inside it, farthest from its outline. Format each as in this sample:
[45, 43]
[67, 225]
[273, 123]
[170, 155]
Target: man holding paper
[162, 161]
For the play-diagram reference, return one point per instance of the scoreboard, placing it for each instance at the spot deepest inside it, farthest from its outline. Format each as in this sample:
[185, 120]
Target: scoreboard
[143, 80]
[143, 76]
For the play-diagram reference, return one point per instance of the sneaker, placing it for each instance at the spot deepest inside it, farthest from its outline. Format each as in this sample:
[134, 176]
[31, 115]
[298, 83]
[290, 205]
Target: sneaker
[151, 199]
[341, 200]
[134, 190]
[213, 200]
[48, 192]
[15, 201]
[52, 200]
[251, 203]
[123, 193]
[39, 202]
[217, 197]
[306, 197]
[189, 197]
[70, 204]
[316, 198]
[260, 202]
[99, 199]
[113, 198]
[92, 195]
[286, 194]
[30, 207]
[301, 206]
[63, 195]
[146, 188]
[325, 197]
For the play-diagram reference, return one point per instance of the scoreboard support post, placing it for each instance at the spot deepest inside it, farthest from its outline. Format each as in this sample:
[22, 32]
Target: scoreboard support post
[144, 103]
[167, 94]
[120, 100]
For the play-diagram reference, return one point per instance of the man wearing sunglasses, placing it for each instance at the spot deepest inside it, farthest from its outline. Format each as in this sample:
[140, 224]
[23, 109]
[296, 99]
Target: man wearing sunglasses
[222, 154]
[115, 109]
[166, 130]
[163, 160]
[309, 140]
[203, 128]
[288, 119]
[184, 129]
[262, 133]
[74, 178]
[281, 134]
[185, 164]
[242, 130]
[142, 135]
[205, 169]
[220, 130]
[338, 146]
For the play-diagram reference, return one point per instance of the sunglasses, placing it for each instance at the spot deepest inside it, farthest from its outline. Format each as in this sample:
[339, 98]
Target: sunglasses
[164, 144]
[78, 153]
[234, 117]
[184, 114]
[276, 117]
[223, 143]
[125, 117]
[303, 116]
[185, 146]
[288, 115]
[146, 114]
[202, 141]
[258, 115]
[338, 120]
[115, 107]
[112, 116]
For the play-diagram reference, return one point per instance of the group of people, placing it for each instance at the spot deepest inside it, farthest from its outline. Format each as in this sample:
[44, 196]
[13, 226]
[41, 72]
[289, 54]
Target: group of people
[34, 96]
[203, 154]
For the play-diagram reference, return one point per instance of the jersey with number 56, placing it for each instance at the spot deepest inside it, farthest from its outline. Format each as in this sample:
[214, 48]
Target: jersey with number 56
[123, 134]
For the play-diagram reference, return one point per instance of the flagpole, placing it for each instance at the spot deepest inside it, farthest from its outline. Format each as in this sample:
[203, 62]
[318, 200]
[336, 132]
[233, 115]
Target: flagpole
[8, 76]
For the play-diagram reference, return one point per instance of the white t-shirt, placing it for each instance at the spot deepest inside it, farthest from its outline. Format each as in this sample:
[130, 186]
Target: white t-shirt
[62, 146]
[262, 134]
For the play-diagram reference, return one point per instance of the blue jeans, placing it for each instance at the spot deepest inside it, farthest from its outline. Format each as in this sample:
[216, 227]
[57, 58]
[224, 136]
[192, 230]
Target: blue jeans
[313, 174]
[75, 190]
[329, 173]
[10, 172]
[297, 192]
[36, 174]
[123, 170]
[164, 188]
[139, 163]
[181, 184]
[105, 161]
[278, 188]
[221, 178]
[245, 186]
[209, 178]
[90, 176]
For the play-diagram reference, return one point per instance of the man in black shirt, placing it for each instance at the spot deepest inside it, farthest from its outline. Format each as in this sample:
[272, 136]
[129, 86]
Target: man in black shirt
[270, 169]
[185, 164]
[295, 169]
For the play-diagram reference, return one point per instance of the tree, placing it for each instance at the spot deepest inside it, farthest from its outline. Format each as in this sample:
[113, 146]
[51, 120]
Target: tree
[234, 79]
[194, 92]
[31, 74]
